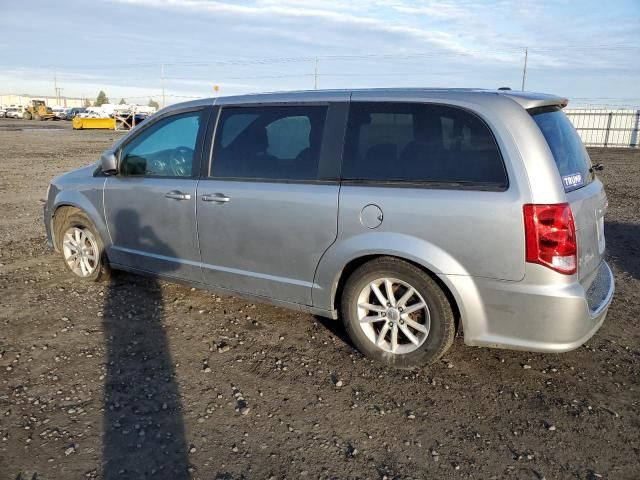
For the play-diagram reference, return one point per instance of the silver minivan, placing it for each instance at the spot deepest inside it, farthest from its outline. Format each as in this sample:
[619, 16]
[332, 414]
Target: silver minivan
[407, 213]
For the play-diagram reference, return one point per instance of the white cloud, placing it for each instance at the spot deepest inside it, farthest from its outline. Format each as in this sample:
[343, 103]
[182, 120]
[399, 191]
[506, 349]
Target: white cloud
[310, 10]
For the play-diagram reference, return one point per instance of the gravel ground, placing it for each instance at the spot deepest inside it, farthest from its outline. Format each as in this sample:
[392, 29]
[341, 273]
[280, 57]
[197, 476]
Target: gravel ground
[144, 379]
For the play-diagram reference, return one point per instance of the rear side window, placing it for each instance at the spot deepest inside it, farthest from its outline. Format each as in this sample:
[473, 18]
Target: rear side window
[568, 151]
[412, 142]
[269, 142]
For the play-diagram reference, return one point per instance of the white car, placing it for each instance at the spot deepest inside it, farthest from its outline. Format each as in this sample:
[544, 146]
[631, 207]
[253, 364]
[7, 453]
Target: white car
[89, 114]
[60, 112]
[14, 112]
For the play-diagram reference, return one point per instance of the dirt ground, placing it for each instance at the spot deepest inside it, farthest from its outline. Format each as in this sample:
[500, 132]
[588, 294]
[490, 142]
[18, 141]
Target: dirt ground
[140, 379]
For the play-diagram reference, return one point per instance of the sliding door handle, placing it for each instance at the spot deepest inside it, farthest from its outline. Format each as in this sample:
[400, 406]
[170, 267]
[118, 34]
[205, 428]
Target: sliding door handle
[215, 197]
[177, 195]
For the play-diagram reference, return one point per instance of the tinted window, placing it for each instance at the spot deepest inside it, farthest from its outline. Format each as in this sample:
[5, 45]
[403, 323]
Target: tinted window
[234, 125]
[269, 142]
[420, 143]
[165, 149]
[568, 151]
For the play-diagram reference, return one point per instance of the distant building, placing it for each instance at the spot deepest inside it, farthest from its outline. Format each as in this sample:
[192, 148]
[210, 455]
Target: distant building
[25, 99]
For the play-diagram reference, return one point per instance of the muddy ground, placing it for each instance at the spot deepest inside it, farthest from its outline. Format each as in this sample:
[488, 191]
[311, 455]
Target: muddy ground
[200, 386]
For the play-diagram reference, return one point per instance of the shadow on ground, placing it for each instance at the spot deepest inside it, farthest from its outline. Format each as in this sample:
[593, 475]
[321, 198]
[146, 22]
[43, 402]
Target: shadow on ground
[336, 327]
[623, 246]
[143, 424]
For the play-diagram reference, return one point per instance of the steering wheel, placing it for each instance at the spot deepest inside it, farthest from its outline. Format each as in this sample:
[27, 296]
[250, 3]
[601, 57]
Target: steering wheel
[180, 161]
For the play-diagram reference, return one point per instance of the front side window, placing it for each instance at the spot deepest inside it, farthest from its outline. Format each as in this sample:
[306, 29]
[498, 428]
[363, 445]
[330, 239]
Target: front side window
[412, 142]
[165, 149]
[269, 142]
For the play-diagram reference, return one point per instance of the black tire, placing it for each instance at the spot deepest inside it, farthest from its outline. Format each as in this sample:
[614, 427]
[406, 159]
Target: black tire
[26, 116]
[67, 218]
[442, 325]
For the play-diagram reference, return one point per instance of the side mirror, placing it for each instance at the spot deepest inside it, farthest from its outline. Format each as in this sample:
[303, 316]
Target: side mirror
[109, 163]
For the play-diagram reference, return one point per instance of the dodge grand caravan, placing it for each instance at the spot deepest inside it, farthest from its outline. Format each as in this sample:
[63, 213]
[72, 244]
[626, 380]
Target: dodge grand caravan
[407, 213]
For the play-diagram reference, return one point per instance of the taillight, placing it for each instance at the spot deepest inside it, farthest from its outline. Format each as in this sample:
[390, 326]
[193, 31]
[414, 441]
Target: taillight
[550, 235]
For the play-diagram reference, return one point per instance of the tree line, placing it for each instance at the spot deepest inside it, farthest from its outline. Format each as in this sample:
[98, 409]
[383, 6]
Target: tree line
[102, 98]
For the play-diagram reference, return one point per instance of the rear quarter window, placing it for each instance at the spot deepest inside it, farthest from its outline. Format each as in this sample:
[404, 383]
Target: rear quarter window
[421, 143]
[572, 159]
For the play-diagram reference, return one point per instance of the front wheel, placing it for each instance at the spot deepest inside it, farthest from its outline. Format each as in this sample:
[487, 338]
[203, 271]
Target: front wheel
[81, 247]
[396, 313]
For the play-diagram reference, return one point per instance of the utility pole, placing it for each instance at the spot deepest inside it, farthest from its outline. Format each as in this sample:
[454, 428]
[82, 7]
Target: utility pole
[524, 70]
[315, 74]
[55, 88]
[162, 83]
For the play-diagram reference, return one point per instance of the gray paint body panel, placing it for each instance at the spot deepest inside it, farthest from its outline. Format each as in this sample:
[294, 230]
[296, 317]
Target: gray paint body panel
[268, 239]
[149, 231]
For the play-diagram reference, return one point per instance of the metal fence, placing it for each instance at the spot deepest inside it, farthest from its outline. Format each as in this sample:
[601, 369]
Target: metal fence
[606, 127]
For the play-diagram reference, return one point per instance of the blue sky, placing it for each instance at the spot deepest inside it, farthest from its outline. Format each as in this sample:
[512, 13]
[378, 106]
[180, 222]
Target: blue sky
[586, 50]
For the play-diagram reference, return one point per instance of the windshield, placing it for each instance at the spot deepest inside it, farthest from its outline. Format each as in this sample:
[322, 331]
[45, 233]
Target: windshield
[566, 146]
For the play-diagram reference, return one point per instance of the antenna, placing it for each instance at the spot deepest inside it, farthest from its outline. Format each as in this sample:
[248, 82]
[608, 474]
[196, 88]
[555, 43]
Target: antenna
[315, 74]
[524, 70]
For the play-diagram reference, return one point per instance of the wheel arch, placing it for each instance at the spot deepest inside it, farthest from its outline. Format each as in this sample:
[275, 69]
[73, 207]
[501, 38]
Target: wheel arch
[355, 263]
[89, 210]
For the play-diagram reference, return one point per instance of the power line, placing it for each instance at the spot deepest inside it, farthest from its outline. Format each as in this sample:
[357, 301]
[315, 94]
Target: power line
[438, 51]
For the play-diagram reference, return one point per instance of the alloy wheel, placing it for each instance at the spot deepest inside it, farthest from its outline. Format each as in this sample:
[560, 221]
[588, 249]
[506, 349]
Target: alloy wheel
[393, 315]
[80, 251]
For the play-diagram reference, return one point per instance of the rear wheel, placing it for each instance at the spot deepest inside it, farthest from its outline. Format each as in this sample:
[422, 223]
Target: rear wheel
[27, 115]
[81, 247]
[396, 313]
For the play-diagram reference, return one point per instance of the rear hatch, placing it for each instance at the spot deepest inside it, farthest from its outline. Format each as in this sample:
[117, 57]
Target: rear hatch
[584, 192]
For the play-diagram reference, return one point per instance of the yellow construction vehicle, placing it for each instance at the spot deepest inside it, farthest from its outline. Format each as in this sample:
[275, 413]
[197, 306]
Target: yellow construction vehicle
[38, 110]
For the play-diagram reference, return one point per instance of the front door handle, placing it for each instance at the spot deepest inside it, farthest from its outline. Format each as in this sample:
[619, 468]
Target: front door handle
[216, 197]
[177, 195]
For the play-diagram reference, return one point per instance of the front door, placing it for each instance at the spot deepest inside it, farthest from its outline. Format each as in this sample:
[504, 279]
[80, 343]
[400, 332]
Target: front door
[268, 210]
[150, 203]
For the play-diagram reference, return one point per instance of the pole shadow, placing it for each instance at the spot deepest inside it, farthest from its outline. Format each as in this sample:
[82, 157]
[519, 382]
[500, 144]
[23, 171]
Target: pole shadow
[143, 425]
[623, 246]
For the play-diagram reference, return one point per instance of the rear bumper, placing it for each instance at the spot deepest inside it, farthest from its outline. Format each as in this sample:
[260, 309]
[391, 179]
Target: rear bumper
[536, 317]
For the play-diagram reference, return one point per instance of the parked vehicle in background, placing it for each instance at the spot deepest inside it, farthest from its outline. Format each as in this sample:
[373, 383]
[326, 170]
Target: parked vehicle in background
[407, 212]
[90, 114]
[60, 112]
[96, 112]
[103, 111]
[14, 112]
[3, 111]
[143, 109]
[128, 120]
[72, 112]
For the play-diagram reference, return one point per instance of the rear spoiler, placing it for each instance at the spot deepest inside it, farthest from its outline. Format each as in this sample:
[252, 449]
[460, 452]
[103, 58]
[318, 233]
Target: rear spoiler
[529, 100]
